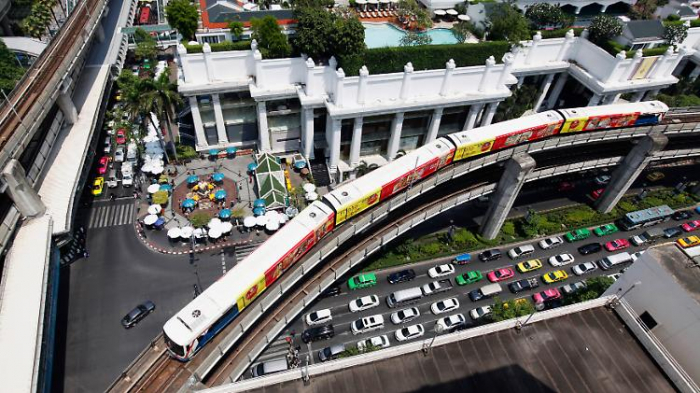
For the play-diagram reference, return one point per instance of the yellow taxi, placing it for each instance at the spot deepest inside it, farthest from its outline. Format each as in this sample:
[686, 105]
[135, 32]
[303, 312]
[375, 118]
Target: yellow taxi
[690, 241]
[555, 276]
[655, 176]
[528, 266]
[98, 186]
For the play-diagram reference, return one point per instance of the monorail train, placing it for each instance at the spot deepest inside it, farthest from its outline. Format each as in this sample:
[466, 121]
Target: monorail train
[205, 316]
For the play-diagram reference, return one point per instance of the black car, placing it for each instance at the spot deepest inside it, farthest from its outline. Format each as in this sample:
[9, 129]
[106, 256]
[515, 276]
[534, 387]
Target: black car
[402, 276]
[137, 314]
[330, 292]
[490, 255]
[590, 248]
[317, 333]
[682, 215]
[672, 232]
[524, 284]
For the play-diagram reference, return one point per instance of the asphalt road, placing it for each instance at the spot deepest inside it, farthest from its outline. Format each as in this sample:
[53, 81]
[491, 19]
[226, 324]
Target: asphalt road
[342, 317]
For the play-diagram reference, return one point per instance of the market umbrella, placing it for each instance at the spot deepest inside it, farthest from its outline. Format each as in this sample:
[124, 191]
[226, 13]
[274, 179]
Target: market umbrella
[150, 219]
[309, 187]
[300, 164]
[291, 211]
[226, 227]
[153, 188]
[221, 194]
[155, 209]
[200, 233]
[312, 196]
[191, 179]
[174, 233]
[217, 177]
[166, 187]
[231, 151]
[214, 222]
[272, 225]
[213, 152]
[259, 211]
[225, 213]
[283, 218]
[259, 203]
[439, 12]
[215, 233]
[157, 170]
[252, 167]
[186, 232]
[451, 12]
[463, 17]
[261, 221]
[249, 222]
[188, 203]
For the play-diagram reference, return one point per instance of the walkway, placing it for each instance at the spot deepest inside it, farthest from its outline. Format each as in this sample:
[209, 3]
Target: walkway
[30, 46]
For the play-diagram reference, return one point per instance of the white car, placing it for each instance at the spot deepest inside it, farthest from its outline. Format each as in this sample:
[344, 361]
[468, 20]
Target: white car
[561, 260]
[441, 271]
[367, 324]
[584, 268]
[636, 255]
[638, 240]
[364, 303]
[480, 312]
[444, 306]
[319, 317]
[119, 155]
[127, 180]
[405, 315]
[409, 332]
[451, 322]
[378, 342]
[521, 251]
[551, 242]
[602, 180]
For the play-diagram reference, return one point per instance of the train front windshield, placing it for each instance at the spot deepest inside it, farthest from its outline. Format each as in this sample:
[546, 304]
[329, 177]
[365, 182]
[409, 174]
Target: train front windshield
[176, 349]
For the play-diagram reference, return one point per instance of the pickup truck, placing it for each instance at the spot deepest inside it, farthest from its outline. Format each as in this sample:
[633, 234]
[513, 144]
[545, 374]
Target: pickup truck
[437, 287]
[524, 284]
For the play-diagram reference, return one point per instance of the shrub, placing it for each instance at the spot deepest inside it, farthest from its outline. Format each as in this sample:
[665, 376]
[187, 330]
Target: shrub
[559, 33]
[673, 18]
[604, 27]
[160, 197]
[186, 152]
[200, 219]
[508, 228]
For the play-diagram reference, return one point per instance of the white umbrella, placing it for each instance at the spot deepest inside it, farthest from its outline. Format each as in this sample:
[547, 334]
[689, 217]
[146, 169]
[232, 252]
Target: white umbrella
[272, 226]
[186, 232]
[261, 221]
[153, 188]
[283, 219]
[361, 2]
[214, 222]
[226, 227]
[150, 219]
[174, 233]
[271, 215]
[439, 12]
[451, 12]
[215, 233]
[157, 170]
[463, 17]
[312, 196]
[200, 232]
[249, 222]
[155, 209]
[309, 187]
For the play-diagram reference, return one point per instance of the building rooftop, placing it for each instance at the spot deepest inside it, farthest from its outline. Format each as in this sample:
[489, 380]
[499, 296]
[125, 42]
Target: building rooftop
[646, 29]
[587, 351]
[218, 13]
[680, 266]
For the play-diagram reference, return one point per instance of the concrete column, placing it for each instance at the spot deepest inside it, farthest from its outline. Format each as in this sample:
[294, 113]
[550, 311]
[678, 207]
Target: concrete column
[339, 84]
[595, 99]
[694, 73]
[568, 41]
[395, 139]
[628, 171]
[311, 82]
[434, 125]
[219, 117]
[508, 60]
[356, 142]
[65, 103]
[263, 130]
[605, 8]
[490, 63]
[257, 58]
[521, 79]
[503, 197]
[307, 129]
[619, 58]
[25, 198]
[471, 117]
[558, 87]
[99, 32]
[488, 115]
[362, 85]
[546, 84]
[535, 42]
[447, 79]
[209, 64]
[201, 138]
[636, 60]
[333, 138]
[406, 83]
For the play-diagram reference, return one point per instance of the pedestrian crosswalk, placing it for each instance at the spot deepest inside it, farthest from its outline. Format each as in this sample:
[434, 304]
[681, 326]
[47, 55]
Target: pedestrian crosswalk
[112, 215]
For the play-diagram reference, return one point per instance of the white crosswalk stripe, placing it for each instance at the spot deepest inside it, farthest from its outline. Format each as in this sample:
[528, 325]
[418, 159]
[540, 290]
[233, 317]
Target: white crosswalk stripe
[110, 216]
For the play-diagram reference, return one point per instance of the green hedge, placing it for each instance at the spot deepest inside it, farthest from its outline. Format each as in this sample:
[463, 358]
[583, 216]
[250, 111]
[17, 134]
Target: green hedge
[424, 57]
[614, 48]
[695, 23]
[558, 33]
[220, 47]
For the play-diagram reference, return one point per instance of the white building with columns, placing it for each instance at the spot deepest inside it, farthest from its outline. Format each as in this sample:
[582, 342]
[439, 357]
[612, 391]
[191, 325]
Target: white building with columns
[237, 98]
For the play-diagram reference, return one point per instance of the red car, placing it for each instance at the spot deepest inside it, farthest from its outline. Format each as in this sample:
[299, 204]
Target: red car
[501, 274]
[617, 244]
[566, 186]
[547, 294]
[102, 166]
[121, 137]
[597, 193]
[691, 226]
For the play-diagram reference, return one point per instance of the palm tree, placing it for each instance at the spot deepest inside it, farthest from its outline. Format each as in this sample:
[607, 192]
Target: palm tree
[160, 97]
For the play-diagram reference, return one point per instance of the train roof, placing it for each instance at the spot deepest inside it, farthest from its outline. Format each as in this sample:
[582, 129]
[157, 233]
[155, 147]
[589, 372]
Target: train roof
[504, 127]
[644, 107]
[200, 313]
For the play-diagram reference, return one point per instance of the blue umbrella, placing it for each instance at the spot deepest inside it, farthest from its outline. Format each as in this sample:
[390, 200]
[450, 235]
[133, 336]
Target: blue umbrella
[166, 187]
[226, 213]
[252, 167]
[300, 164]
[221, 194]
[159, 222]
[259, 203]
[231, 150]
[217, 177]
[188, 203]
[192, 179]
[259, 211]
[213, 152]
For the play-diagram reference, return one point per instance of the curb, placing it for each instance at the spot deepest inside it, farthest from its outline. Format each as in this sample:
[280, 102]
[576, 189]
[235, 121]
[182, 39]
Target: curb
[161, 250]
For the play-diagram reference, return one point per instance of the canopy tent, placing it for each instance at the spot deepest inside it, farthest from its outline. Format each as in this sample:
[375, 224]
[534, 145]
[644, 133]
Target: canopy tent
[309, 187]
[231, 150]
[272, 189]
[220, 194]
[259, 211]
[191, 179]
[213, 152]
[199, 233]
[272, 225]
[214, 222]
[261, 221]
[252, 167]
[215, 233]
[226, 227]
[188, 203]
[259, 203]
[166, 187]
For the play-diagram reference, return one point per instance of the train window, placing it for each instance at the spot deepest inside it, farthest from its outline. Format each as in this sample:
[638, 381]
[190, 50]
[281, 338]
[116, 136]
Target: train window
[312, 215]
[344, 193]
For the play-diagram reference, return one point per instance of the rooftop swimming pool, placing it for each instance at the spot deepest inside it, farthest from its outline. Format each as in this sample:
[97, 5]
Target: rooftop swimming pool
[386, 34]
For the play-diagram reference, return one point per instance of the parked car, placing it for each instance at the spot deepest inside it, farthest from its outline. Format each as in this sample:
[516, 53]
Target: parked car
[691, 226]
[319, 317]
[521, 251]
[409, 332]
[682, 215]
[121, 136]
[365, 280]
[401, 276]
[405, 315]
[607, 229]
[330, 292]
[490, 255]
[561, 260]
[444, 306]
[377, 342]
[102, 165]
[137, 314]
[617, 245]
[462, 259]
[317, 333]
[602, 180]
[636, 255]
[452, 322]
[555, 276]
[590, 248]
[119, 154]
[570, 289]
[331, 353]
[107, 146]
[672, 232]
[655, 176]
[501, 274]
[565, 186]
[441, 271]
[597, 193]
[546, 295]
[584, 268]
[364, 303]
[469, 277]
[127, 180]
[638, 240]
[551, 242]
[690, 241]
[480, 312]
[528, 266]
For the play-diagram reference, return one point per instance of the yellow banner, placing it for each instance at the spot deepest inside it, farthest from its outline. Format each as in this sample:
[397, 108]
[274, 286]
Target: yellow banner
[644, 67]
[253, 292]
[574, 125]
[473, 149]
[359, 206]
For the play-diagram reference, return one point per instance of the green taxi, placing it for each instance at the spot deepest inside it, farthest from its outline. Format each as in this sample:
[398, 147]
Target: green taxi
[606, 229]
[364, 280]
[577, 234]
[469, 277]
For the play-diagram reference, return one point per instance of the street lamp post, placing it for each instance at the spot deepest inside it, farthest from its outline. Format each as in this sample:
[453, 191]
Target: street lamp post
[426, 348]
[616, 300]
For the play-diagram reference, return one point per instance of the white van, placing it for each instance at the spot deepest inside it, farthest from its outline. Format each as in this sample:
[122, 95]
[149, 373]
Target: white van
[131, 152]
[614, 260]
[269, 367]
[485, 292]
[521, 251]
[404, 296]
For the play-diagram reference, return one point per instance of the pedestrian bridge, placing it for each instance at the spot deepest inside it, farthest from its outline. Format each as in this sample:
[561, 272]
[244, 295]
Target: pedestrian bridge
[25, 45]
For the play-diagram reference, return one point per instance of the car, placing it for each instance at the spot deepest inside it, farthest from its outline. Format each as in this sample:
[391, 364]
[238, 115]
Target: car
[523, 285]
[691, 226]
[367, 324]
[607, 229]
[614, 276]
[682, 215]
[121, 136]
[617, 245]
[597, 193]
[435, 287]
[638, 254]
[137, 314]
[528, 266]
[570, 289]
[377, 342]
[672, 232]
[317, 333]
[521, 251]
[107, 147]
[565, 186]
[561, 260]
[444, 306]
[119, 154]
[405, 315]
[638, 240]
[401, 276]
[546, 295]
[555, 276]
[127, 180]
[102, 165]
[584, 268]
[490, 255]
[331, 353]
[330, 292]
[364, 303]
[501, 274]
[655, 176]
[551, 242]
[409, 332]
[602, 180]
[590, 248]
[319, 317]
[98, 186]
[480, 312]
[690, 241]
[462, 259]
[365, 280]
[441, 271]
[451, 323]
[577, 234]
[469, 277]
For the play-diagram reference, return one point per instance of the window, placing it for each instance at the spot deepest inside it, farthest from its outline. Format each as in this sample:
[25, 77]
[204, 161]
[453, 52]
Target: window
[648, 320]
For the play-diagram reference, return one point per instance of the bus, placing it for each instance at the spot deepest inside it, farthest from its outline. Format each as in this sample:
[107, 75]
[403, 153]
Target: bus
[646, 217]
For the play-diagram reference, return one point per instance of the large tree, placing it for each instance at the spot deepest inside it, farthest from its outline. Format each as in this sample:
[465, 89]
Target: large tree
[183, 16]
[675, 34]
[146, 46]
[272, 43]
[508, 24]
[545, 15]
[595, 287]
[320, 34]
[10, 70]
[604, 27]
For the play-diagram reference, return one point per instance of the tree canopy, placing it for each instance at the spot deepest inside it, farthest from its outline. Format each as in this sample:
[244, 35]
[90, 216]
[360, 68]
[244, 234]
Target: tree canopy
[236, 28]
[522, 99]
[183, 16]
[501, 311]
[645, 9]
[320, 34]
[146, 46]
[604, 27]
[10, 70]
[675, 34]
[508, 24]
[545, 15]
[272, 43]
[412, 38]
[594, 288]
